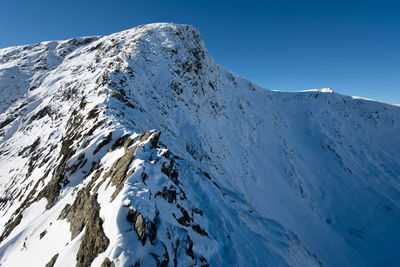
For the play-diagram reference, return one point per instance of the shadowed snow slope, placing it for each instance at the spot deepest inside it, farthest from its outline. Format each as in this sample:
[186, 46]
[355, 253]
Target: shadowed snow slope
[138, 149]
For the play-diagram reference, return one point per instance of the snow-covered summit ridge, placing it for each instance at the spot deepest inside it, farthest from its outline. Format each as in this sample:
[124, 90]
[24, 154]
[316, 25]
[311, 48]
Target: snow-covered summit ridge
[139, 143]
[22, 67]
[155, 36]
[322, 90]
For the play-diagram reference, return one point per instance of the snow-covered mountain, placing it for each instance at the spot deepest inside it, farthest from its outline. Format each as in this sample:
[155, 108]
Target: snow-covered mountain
[137, 149]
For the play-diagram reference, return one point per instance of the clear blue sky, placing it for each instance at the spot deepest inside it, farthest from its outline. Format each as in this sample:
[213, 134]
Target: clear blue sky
[351, 46]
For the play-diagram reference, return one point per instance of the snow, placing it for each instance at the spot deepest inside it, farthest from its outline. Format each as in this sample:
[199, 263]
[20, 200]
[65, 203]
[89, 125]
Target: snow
[322, 90]
[297, 178]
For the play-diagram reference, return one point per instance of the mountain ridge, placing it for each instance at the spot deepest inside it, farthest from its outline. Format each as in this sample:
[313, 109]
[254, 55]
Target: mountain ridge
[213, 168]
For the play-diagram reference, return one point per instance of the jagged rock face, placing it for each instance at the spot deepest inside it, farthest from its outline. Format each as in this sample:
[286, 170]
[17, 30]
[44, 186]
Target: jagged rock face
[136, 149]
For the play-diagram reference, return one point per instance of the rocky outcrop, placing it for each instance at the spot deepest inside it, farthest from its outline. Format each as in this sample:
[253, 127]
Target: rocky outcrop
[10, 225]
[84, 213]
[52, 261]
[93, 243]
[140, 228]
[118, 172]
[52, 190]
[107, 263]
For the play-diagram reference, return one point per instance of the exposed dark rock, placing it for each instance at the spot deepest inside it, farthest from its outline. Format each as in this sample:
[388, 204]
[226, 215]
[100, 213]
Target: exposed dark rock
[217, 185]
[185, 220]
[155, 256]
[107, 263]
[128, 104]
[152, 228]
[128, 143]
[144, 137]
[10, 225]
[118, 171]
[204, 262]
[79, 213]
[145, 228]
[104, 142]
[83, 103]
[167, 168]
[118, 96]
[155, 137]
[95, 166]
[164, 260]
[93, 113]
[52, 190]
[174, 177]
[199, 230]
[94, 241]
[140, 228]
[78, 164]
[41, 113]
[182, 195]
[211, 85]
[166, 153]
[42, 234]
[4, 199]
[73, 125]
[175, 250]
[52, 261]
[97, 125]
[94, 179]
[32, 163]
[197, 211]
[131, 215]
[31, 148]
[207, 175]
[143, 176]
[119, 142]
[168, 194]
[85, 212]
[176, 87]
[7, 122]
[189, 247]
[96, 176]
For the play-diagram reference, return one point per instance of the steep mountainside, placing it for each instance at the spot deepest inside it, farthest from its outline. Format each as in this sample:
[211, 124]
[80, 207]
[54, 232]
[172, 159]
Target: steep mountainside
[137, 149]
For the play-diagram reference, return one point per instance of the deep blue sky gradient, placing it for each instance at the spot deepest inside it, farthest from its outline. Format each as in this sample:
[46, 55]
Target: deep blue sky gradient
[351, 46]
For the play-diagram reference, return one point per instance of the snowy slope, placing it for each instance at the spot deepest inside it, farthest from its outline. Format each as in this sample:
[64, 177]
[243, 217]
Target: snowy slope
[138, 149]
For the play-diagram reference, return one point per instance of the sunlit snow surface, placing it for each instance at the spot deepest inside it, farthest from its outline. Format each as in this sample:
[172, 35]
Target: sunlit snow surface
[302, 179]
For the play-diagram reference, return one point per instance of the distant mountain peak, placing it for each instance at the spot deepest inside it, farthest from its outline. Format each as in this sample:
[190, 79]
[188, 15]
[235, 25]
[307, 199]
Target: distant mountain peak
[322, 90]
